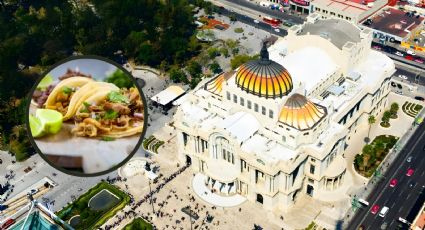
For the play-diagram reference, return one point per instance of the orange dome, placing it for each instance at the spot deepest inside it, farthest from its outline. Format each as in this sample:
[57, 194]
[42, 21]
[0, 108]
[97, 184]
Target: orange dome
[300, 113]
[264, 77]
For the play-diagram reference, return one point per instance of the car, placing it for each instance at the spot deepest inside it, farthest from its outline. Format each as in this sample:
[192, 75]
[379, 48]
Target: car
[384, 225]
[411, 52]
[362, 227]
[412, 184]
[398, 53]
[376, 47]
[33, 191]
[399, 92]
[393, 183]
[409, 57]
[277, 30]
[418, 60]
[210, 17]
[256, 21]
[410, 172]
[374, 209]
[402, 220]
[419, 98]
[402, 77]
[409, 159]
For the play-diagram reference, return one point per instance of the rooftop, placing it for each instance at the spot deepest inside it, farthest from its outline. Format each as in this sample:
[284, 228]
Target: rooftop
[168, 95]
[338, 31]
[316, 62]
[395, 22]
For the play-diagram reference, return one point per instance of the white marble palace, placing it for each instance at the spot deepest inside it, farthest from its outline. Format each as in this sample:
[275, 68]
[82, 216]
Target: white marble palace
[278, 126]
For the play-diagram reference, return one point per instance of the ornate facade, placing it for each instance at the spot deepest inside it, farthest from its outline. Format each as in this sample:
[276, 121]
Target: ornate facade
[277, 127]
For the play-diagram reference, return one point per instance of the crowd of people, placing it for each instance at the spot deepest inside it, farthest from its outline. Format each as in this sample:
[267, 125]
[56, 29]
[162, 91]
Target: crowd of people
[134, 205]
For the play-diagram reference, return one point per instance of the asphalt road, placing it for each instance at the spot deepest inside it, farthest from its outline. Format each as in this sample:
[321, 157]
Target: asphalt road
[401, 198]
[249, 21]
[268, 10]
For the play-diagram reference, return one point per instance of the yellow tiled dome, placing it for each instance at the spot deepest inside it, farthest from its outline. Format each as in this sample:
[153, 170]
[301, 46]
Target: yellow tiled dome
[264, 77]
[301, 113]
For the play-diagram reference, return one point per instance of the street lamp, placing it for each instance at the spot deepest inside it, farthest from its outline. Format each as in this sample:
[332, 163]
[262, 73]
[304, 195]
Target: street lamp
[150, 195]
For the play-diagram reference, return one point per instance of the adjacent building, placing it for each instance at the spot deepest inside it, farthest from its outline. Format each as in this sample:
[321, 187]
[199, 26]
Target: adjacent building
[277, 127]
[352, 10]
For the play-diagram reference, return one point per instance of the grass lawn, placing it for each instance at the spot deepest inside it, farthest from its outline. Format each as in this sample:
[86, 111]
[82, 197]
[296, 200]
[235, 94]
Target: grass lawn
[89, 218]
[373, 154]
[138, 224]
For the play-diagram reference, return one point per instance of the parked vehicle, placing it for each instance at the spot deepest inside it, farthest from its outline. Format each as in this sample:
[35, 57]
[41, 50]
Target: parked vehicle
[398, 53]
[418, 60]
[402, 77]
[411, 52]
[409, 57]
[409, 159]
[419, 99]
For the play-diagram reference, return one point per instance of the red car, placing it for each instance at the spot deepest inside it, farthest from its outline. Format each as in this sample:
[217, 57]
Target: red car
[374, 209]
[393, 183]
[409, 57]
[409, 172]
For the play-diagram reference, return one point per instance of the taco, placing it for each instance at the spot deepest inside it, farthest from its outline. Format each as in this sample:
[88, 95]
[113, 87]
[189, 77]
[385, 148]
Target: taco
[110, 113]
[85, 92]
[65, 94]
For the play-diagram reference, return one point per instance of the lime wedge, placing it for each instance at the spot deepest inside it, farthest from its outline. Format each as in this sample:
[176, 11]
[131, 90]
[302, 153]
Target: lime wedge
[51, 120]
[45, 82]
[36, 127]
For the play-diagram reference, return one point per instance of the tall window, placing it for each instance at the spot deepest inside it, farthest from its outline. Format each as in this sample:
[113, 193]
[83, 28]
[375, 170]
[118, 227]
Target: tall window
[235, 98]
[228, 95]
[242, 101]
[263, 110]
[271, 113]
[312, 169]
[255, 107]
[249, 104]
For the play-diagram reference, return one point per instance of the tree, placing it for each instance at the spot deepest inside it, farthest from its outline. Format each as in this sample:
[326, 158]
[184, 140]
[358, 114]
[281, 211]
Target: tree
[393, 109]
[224, 51]
[238, 60]
[367, 149]
[194, 69]
[386, 118]
[371, 120]
[120, 79]
[379, 148]
[212, 52]
[177, 75]
[215, 68]
[358, 161]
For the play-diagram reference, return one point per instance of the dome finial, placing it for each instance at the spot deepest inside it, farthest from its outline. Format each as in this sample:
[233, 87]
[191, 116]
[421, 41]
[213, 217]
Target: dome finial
[264, 54]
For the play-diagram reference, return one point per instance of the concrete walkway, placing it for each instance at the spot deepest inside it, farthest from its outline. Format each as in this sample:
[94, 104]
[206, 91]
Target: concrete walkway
[198, 184]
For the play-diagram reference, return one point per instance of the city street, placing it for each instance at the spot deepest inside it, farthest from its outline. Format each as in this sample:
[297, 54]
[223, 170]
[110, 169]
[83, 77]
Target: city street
[401, 198]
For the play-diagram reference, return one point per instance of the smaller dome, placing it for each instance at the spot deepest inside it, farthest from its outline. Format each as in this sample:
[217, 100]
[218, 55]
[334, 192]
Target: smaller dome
[300, 113]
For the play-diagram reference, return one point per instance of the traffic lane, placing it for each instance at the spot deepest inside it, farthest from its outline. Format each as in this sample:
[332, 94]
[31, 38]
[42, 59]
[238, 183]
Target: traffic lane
[399, 197]
[408, 198]
[394, 198]
[360, 216]
[250, 21]
[267, 10]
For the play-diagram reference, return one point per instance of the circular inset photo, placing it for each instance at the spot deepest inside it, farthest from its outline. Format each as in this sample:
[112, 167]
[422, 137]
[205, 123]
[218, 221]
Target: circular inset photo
[87, 116]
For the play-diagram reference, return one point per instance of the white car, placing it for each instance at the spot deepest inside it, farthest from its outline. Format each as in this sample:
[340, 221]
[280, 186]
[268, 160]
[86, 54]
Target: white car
[256, 21]
[411, 52]
[277, 30]
[33, 191]
[398, 53]
[402, 77]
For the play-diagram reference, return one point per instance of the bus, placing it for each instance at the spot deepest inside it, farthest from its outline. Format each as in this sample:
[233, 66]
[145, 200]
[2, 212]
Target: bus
[272, 21]
[301, 2]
